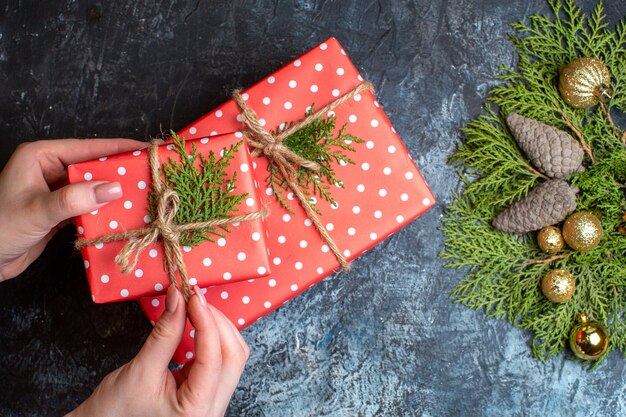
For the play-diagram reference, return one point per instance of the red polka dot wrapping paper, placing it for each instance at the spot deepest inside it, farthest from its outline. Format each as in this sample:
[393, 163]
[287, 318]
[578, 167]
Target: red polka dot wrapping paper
[383, 191]
[240, 254]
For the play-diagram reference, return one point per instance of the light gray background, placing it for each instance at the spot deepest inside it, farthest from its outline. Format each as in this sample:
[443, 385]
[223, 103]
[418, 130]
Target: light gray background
[382, 340]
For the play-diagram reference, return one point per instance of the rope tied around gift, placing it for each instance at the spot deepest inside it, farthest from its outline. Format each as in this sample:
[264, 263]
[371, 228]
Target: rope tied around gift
[271, 146]
[163, 226]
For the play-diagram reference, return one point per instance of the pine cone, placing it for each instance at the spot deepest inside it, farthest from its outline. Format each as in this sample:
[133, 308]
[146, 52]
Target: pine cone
[551, 151]
[547, 204]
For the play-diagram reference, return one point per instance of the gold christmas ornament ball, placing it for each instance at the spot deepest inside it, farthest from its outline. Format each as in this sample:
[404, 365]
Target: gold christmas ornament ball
[550, 240]
[582, 231]
[558, 285]
[584, 82]
[588, 339]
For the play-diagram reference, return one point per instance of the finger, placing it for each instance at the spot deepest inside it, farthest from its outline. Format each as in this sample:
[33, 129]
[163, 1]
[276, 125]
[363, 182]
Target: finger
[181, 374]
[186, 368]
[73, 200]
[55, 155]
[71, 151]
[198, 391]
[234, 356]
[157, 351]
[236, 332]
[62, 182]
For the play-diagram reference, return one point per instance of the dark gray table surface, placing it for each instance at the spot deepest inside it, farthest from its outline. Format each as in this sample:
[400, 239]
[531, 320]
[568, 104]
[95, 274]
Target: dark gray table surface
[382, 340]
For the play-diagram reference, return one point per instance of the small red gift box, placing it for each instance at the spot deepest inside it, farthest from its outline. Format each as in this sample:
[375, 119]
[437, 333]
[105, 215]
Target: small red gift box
[240, 254]
[383, 190]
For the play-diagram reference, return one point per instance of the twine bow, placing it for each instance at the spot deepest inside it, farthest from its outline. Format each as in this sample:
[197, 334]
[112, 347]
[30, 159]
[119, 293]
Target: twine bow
[163, 226]
[287, 161]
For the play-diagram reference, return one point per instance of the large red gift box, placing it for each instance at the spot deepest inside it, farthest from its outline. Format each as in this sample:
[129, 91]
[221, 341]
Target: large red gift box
[383, 192]
[240, 254]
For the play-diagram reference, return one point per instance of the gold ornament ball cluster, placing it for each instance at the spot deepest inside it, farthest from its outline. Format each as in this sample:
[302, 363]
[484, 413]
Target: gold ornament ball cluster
[582, 231]
[550, 240]
[558, 285]
[584, 82]
[588, 339]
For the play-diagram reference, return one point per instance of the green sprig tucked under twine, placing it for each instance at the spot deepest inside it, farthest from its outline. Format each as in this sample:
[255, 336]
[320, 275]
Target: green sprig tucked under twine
[205, 190]
[314, 142]
[501, 278]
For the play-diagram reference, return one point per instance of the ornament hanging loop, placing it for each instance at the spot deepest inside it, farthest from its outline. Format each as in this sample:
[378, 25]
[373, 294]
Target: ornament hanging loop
[604, 93]
[582, 317]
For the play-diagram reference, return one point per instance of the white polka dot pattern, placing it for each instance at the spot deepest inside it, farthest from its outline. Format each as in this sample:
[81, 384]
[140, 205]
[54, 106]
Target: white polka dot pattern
[208, 263]
[383, 190]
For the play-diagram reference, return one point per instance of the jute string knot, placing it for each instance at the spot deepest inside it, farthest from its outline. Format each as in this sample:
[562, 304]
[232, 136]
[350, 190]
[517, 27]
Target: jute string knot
[271, 146]
[166, 212]
[264, 143]
[163, 227]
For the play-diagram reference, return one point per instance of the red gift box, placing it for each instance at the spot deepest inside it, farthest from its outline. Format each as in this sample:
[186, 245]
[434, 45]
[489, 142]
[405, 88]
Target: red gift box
[240, 254]
[383, 191]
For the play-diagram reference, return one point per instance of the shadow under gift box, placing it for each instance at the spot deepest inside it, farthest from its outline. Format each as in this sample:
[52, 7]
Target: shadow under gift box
[383, 190]
[240, 254]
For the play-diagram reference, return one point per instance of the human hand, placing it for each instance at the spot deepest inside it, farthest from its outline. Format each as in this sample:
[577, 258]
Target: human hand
[145, 386]
[32, 210]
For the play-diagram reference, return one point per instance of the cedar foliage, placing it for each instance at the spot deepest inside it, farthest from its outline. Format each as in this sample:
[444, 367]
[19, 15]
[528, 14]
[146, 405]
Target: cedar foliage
[499, 279]
[205, 190]
[315, 142]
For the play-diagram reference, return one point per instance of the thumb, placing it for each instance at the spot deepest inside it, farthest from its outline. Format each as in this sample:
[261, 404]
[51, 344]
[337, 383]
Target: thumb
[162, 342]
[75, 199]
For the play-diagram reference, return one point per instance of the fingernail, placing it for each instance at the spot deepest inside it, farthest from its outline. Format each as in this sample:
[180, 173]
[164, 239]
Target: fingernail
[108, 191]
[201, 297]
[172, 298]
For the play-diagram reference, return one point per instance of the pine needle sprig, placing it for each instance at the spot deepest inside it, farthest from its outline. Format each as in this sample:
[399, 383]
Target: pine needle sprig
[501, 278]
[205, 190]
[315, 142]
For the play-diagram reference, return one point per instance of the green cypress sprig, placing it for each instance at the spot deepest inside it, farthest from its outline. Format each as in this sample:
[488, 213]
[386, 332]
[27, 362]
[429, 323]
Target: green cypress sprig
[316, 142]
[494, 173]
[206, 192]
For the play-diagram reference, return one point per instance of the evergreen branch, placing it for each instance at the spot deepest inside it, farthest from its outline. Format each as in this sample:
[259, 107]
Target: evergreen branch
[503, 271]
[537, 173]
[548, 260]
[607, 114]
[579, 134]
[315, 142]
[205, 190]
